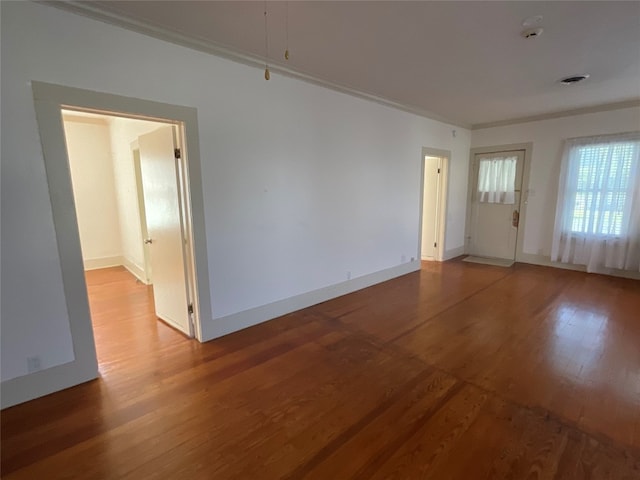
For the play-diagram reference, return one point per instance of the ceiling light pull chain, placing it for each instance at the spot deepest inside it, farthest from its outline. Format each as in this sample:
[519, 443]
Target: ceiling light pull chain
[286, 27]
[267, 75]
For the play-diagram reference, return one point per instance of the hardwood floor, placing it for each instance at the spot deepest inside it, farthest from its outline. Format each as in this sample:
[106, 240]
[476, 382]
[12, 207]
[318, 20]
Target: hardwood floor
[459, 371]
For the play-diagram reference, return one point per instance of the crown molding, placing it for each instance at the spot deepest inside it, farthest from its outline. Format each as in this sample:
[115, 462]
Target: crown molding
[89, 10]
[565, 113]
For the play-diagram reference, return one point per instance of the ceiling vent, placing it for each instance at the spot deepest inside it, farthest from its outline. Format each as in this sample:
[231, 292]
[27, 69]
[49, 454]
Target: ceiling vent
[532, 21]
[532, 32]
[572, 80]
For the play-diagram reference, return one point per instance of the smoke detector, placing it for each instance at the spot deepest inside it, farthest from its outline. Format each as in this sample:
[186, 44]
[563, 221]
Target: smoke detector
[573, 79]
[532, 32]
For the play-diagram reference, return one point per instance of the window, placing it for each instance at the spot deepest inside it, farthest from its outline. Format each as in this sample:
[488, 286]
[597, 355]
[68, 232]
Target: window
[598, 210]
[602, 187]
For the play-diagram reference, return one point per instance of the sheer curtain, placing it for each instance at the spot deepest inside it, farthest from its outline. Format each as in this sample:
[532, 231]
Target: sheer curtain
[598, 211]
[497, 180]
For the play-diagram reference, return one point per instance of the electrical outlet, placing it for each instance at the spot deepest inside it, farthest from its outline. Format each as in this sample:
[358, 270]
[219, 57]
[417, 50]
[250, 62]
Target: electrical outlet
[34, 364]
[348, 275]
[403, 258]
[413, 259]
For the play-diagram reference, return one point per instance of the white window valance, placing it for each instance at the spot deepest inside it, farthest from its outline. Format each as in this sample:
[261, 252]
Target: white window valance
[497, 180]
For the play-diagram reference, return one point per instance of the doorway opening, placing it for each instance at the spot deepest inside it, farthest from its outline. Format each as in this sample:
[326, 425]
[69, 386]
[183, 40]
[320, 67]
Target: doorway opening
[435, 164]
[49, 101]
[129, 179]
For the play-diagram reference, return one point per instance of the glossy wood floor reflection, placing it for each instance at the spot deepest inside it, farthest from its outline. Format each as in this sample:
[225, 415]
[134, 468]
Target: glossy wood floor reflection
[459, 371]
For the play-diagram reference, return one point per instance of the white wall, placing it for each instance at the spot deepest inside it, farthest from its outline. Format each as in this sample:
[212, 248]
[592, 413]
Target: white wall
[548, 137]
[91, 165]
[123, 132]
[301, 184]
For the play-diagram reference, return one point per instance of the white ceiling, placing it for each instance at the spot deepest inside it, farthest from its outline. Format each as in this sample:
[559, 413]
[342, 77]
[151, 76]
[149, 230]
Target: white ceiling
[461, 61]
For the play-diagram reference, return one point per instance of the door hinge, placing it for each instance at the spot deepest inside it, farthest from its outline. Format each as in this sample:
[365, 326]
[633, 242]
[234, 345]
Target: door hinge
[190, 309]
[435, 244]
[438, 170]
[177, 153]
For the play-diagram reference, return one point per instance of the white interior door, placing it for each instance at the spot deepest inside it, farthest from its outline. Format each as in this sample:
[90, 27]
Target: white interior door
[430, 208]
[160, 180]
[495, 204]
[143, 214]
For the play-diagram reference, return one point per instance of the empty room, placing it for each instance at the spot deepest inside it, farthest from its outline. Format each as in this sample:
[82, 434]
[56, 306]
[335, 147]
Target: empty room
[329, 240]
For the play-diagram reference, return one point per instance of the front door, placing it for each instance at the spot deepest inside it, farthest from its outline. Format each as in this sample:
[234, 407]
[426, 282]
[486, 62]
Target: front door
[160, 171]
[495, 204]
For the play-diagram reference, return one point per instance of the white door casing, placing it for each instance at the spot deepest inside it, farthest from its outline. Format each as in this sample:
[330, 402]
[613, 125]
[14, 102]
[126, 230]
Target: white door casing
[49, 99]
[493, 229]
[164, 213]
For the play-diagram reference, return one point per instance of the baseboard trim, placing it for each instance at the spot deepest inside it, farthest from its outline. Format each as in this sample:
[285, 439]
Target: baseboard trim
[103, 262]
[545, 261]
[238, 321]
[117, 261]
[38, 384]
[453, 253]
[135, 270]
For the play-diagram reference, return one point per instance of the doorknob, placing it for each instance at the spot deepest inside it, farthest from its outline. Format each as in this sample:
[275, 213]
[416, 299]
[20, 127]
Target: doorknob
[515, 218]
[147, 241]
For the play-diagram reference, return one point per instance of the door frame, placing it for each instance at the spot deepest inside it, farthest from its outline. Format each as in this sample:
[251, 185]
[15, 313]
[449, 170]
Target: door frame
[441, 210]
[524, 194]
[49, 100]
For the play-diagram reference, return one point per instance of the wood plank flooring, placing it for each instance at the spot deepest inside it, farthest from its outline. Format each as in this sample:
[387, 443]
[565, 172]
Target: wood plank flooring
[459, 371]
